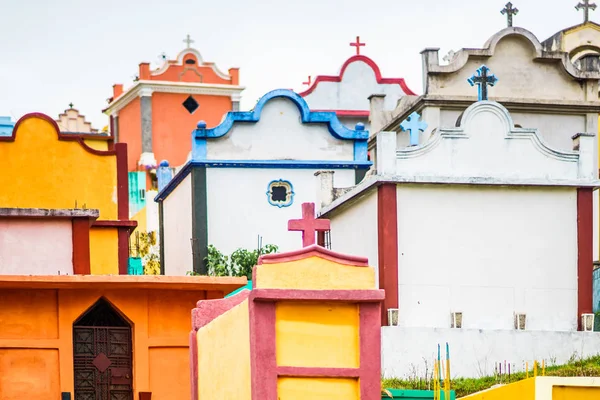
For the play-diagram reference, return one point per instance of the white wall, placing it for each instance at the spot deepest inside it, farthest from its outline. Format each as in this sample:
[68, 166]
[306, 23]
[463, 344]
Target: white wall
[473, 352]
[354, 230]
[279, 135]
[151, 211]
[487, 252]
[36, 247]
[352, 93]
[238, 209]
[177, 223]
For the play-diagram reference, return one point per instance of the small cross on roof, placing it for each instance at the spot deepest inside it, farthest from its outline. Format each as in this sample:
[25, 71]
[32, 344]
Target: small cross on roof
[308, 225]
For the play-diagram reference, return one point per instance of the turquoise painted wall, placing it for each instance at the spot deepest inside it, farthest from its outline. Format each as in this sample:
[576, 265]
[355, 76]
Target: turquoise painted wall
[6, 126]
[137, 192]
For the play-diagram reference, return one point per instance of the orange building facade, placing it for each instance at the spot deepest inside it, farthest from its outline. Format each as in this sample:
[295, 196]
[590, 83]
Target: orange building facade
[156, 115]
[99, 337]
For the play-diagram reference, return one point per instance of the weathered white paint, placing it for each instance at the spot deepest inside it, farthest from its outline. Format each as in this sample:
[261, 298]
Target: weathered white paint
[279, 126]
[238, 209]
[151, 211]
[473, 352]
[36, 247]
[177, 208]
[350, 122]
[487, 145]
[488, 253]
[352, 93]
[355, 232]
[514, 60]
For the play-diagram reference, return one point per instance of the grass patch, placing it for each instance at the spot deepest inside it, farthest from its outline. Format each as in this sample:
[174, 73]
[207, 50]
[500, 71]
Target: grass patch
[465, 386]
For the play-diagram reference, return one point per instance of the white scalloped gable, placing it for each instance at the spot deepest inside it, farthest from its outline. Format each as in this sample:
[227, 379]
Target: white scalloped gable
[352, 93]
[279, 135]
[488, 146]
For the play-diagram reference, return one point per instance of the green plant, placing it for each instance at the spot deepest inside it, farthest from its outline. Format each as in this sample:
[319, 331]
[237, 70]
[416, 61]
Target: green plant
[149, 251]
[239, 263]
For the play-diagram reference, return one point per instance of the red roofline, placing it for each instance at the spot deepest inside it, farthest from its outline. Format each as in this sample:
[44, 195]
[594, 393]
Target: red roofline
[312, 251]
[368, 61]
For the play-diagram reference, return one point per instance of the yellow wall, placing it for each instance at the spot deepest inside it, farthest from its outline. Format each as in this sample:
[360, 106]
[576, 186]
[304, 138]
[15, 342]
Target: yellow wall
[314, 273]
[104, 251]
[97, 144]
[224, 356]
[317, 389]
[140, 217]
[575, 393]
[40, 171]
[306, 332]
[522, 390]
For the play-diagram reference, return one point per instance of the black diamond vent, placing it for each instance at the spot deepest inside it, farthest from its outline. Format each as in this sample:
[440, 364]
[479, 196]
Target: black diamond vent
[190, 104]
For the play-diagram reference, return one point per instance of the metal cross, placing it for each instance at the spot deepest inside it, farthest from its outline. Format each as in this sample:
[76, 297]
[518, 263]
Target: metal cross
[586, 9]
[188, 41]
[71, 105]
[482, 79]
[509, 11]
[413, 126]
[308, 225]
[358, 45]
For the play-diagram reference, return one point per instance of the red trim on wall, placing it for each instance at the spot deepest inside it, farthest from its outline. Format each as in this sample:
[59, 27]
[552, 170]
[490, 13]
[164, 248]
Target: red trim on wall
[263, 362]
[370, 346]
[123, 205]
[61, 136]
[207, 310]
[348, 296]
[310, 372]
[387, 233]
[81, 246]
[585, 252]
[194, 365]
[313, 251]
[114, 224]
[368, 61]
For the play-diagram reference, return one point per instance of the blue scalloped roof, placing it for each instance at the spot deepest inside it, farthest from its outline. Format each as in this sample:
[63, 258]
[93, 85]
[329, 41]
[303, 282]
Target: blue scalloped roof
[307, 117]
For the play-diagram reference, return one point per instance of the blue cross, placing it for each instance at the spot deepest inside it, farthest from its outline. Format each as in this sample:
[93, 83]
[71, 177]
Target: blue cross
[413, 126]
[482, 79]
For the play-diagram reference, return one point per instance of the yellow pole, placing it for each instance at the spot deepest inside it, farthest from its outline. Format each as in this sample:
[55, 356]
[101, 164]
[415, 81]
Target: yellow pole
[527, 370]
[543, 367]
[535, 364]
[435, 380]
[447, 381]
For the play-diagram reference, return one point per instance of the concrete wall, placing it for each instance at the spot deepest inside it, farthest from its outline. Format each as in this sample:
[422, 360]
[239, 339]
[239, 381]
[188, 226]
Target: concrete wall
[488, 253]
[239, 211]
[352, 93]
[473, 352]
[356, 230]
[36, 247]
[178, 229]
[519, 75]
[279, 136]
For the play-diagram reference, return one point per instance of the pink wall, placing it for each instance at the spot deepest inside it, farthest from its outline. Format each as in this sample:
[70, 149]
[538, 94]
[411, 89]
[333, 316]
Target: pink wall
[36, 247]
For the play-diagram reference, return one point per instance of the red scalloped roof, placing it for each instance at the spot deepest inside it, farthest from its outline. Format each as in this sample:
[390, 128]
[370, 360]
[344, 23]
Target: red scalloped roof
[313, 251]
[370, 63]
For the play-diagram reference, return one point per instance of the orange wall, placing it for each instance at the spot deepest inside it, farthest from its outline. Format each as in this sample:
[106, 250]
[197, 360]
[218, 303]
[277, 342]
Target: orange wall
[172, 124]
[36, 338]
[191, 73]
[130, 132]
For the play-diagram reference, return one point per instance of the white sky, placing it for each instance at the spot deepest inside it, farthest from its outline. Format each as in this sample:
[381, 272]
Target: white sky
[60, 51]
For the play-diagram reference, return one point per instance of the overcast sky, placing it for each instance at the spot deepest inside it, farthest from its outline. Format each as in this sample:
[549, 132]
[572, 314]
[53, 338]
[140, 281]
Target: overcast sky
[58, 51]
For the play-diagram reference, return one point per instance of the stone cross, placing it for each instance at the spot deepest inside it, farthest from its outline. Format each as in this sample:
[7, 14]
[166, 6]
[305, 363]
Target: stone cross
[450, 56]
[586, 9]
[509, 11]
[413, 126]
[308, 225]
[482, 78]
[71, 105]
[308, 82]
[188, 41]
[358, 45]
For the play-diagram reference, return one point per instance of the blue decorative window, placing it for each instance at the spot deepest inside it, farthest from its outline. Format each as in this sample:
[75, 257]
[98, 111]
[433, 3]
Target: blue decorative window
[280, 193]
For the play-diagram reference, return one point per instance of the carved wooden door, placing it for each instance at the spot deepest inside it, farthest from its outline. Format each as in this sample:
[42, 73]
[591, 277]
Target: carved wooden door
[102, 355]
